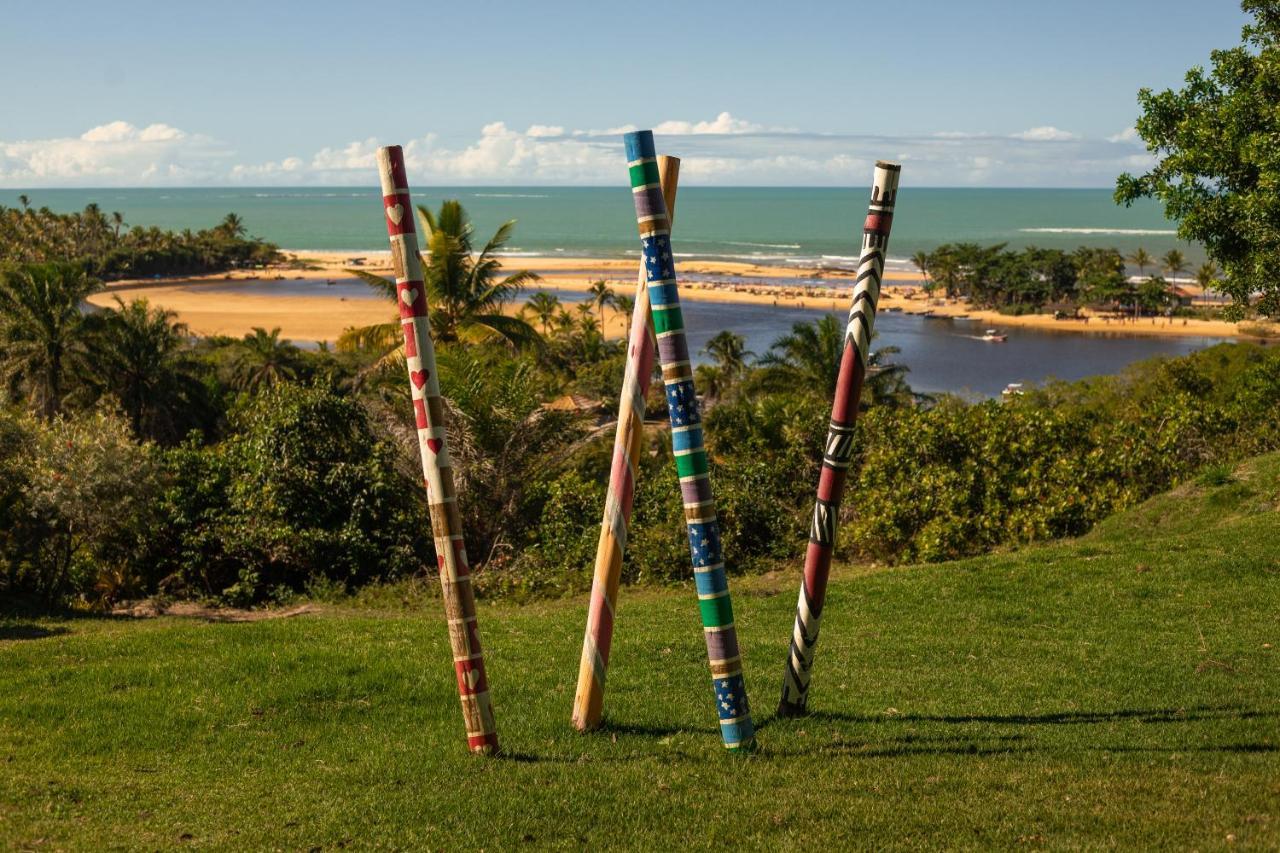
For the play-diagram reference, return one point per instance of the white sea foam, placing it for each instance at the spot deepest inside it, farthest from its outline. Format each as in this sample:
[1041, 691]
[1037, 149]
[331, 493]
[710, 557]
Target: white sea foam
[752, 258]
[1127, 232]
[764, 245]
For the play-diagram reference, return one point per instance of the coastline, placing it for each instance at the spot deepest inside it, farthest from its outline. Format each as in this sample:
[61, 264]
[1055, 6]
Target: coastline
[206, 306]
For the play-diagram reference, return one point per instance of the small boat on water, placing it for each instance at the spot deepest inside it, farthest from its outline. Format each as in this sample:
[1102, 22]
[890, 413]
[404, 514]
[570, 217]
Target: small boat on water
[994, 336]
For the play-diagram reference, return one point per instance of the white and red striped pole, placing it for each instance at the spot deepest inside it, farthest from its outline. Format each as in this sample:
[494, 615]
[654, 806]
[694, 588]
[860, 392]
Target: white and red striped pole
[428, 410]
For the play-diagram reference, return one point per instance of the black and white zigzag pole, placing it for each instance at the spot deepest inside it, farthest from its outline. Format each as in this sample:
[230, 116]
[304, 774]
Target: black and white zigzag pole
[839, 447]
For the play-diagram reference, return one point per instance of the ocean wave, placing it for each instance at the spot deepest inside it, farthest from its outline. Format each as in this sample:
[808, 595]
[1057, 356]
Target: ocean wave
[1126, 232]
[305, 195]
[752, 258]
[764, 245]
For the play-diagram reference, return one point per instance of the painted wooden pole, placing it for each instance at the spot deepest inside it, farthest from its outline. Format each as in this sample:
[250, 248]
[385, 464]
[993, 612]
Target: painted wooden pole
[588, 700]
[839, 448]
[703, 526]
[428, 409]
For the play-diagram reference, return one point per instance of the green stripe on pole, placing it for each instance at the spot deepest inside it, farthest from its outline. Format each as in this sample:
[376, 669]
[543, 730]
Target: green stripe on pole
[644, 173]
[667, 319]
[692, 464]
[716, 612]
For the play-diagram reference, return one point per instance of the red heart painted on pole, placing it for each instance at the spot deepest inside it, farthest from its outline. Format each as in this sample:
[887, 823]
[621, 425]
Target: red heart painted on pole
[435, 444]
[419, 377]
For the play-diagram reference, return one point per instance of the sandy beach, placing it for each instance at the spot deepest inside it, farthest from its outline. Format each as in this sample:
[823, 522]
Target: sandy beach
[208, 307]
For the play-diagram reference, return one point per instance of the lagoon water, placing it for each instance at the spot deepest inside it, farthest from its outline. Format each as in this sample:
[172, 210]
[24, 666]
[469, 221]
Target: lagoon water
[943, 355]
[765, 225]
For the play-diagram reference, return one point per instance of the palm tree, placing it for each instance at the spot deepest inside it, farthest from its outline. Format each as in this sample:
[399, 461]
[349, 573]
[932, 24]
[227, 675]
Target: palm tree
[600, 296]
[1153, 293]
[139, 359]
[729, 351]
[808, 357]
[563, 323]
[944, 269]
[921, 260]
[1174, 262]
[1140, 259]
[117, 222]
[41, 334]
[544, 305]
[886, 381]
[585, 320]
[1207, 275]
[232, 226]
[626, 306]
[263, 359]
[25, 201]
[463, 289]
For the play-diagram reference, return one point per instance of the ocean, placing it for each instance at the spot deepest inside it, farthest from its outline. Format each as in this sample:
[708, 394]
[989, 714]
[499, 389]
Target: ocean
[801, 226]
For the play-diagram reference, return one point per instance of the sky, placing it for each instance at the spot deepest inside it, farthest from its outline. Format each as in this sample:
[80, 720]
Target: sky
[1038, 93]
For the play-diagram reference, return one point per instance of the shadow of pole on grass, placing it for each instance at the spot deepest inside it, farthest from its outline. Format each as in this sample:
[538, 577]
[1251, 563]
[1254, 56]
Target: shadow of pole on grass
[26, 631]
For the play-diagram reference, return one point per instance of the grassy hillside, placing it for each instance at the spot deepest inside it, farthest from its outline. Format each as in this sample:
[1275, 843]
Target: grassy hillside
[1118, 690]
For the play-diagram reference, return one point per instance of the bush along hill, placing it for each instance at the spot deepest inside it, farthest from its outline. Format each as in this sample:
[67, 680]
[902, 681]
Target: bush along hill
[299, 470]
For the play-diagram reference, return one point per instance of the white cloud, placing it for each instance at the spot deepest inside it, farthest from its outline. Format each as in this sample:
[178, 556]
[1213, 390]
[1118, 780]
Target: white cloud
[267, 172]
[117, 153]
[354, 155]
[1129, 134]
[543, 130]
[724, 150]
[723, 123]
[1048, 133]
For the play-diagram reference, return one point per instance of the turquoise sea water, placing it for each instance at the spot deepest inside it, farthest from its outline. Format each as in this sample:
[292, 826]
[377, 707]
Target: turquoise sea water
[768, 225]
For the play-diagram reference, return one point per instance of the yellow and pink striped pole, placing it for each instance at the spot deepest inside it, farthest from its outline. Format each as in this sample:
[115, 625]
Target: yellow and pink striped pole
[588, 701]
[428, 410]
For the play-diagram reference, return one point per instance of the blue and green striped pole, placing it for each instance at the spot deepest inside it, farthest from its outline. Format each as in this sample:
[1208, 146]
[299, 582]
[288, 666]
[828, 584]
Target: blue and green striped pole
[686, 440]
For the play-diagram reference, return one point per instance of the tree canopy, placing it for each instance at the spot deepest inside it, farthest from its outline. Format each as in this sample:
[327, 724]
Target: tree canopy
[1218, 162]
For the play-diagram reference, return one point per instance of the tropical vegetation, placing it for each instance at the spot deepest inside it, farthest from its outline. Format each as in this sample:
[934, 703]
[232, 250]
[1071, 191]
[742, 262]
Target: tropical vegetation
[105, 247]
[1216, 168]
[139, 460]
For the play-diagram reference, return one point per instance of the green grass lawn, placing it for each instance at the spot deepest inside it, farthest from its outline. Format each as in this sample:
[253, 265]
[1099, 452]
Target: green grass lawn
[1119, 690]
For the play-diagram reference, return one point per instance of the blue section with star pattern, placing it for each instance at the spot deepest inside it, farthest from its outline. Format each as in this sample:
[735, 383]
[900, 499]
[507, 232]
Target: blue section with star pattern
[682, 405]
[658, 265]
[735, 715]
[704, 544]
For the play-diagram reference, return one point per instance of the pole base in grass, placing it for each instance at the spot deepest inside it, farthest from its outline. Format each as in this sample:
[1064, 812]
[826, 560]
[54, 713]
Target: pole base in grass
[792, 709]
[586, 726]
[747, 748]
[484, 745]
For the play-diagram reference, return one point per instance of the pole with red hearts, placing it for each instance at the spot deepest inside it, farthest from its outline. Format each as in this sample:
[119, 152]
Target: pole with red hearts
[428, 410]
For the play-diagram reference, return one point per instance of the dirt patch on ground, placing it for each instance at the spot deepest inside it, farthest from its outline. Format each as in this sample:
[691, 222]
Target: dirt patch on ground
[149, 609]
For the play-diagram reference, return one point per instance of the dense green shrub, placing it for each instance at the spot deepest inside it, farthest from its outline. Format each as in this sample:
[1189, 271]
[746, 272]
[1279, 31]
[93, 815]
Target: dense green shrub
[77, 503]
[301, 491]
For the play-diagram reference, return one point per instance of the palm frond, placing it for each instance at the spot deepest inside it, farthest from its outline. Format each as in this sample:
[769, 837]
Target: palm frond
[385, 286]
[376, 338]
